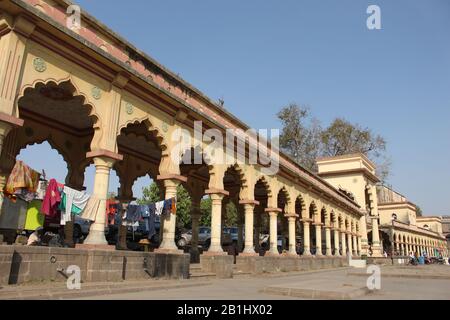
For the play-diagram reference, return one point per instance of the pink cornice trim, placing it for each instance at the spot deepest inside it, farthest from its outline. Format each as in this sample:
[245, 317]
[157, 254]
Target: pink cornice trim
[104, 153]
[217, 191]
[16, 122]
[256, 203]
[171, 177]
[273, 210]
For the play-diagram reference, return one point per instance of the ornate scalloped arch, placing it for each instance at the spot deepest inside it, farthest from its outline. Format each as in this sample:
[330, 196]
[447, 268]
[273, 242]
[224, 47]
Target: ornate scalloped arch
[299, 199]
[286, 194]
[52, 144]
[77, 93]
[151, 128]
[204, 156]
[314, 209]
[266, 184]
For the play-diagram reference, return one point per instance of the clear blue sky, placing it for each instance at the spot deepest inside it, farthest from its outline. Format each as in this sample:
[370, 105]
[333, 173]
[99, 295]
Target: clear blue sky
[261, 55]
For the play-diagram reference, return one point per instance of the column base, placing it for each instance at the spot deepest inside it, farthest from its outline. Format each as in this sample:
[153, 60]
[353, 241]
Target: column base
[96, 238]
[272, 254]
[248, 252]
[377, 252]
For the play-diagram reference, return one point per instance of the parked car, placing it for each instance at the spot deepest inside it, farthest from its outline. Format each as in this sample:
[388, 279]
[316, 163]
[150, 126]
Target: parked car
[233, 232]
[185, 239]
[229, 236]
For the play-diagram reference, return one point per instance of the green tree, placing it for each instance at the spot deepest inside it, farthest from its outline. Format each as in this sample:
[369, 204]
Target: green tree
[205, 207]
[231, 215]
[298, 138]
[183, 207]
[419, 211]
[306, 142]
[152, 194]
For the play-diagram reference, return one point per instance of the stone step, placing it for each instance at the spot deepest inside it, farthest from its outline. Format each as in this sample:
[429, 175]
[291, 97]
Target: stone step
[202, 275]
[58, 292]
[196, 266]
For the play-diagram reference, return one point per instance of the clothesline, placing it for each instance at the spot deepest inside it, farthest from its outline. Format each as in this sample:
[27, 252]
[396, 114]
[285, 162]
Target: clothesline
[62, 202]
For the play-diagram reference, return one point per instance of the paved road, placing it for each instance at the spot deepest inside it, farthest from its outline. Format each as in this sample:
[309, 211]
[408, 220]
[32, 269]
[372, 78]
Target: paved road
[249, 288]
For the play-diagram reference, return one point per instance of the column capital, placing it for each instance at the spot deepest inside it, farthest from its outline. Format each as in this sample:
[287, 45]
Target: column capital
[291, 215]
[216, 197]
[104, 162]
[317, 224]
[306, 220]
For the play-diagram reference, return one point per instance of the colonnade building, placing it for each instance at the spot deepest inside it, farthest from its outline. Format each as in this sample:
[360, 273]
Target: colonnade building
[99, 100]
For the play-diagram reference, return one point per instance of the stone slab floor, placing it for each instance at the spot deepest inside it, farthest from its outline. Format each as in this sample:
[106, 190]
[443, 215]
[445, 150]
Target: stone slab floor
[331, 284]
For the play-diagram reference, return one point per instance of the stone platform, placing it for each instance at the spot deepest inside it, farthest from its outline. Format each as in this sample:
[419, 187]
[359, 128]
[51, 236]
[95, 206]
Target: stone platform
[274, 264]
[22, 265]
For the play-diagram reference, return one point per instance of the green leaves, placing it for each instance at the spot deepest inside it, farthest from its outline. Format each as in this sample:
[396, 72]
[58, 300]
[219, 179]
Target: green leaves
[304, 139]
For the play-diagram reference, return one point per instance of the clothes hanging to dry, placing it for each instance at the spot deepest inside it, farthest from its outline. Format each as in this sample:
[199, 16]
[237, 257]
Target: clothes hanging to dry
[75, 203]
[23, 182]
[51, 200]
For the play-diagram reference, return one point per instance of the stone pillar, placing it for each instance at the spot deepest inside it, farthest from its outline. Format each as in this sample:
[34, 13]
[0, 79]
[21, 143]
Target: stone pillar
[355, 246]
[7, 123]
[273, 232]
[170, 220]
[103, 167]
[318, 239]
[350, 243]
[344, 246]
[329, 252]
[336, 242]
[4, 130]
[376, 247]
[364, 239]
[292, 237]
[249, 209]
[306, 238]
[216, 224]
[360, 252]
[257, 216]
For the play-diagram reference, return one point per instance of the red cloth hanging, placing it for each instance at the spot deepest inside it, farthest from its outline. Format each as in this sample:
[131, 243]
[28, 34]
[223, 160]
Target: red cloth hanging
[51, 200]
